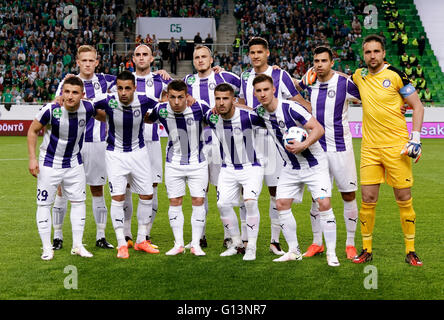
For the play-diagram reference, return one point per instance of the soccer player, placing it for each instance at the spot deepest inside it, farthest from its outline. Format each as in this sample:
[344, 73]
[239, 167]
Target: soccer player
[201, 86]
[125, 158]
[329, 97]
[60, 162]
[185, 162]
[305, 163]
[240, 168]
[93, 151]
[153, 85]
[285, 89]
[386, 146]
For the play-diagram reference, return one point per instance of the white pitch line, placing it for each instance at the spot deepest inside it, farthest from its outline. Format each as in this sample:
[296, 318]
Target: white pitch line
[13, 159]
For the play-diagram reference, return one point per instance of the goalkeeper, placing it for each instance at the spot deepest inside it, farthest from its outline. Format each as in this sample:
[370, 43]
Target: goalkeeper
[386, 149]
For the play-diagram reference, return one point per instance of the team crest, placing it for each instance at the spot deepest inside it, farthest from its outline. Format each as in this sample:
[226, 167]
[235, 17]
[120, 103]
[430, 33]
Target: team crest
[281, 124]
[386, 83]
[163, 113]
[189, 121]
[149, 83]
[136, 113]
[212, 85]
[260, 111]
[113, 103]
[237, 131]
[214, 118]
[82, 123]
[245, 75]
[96, 85]
[191, 80]
[57, 113]
[331, 93]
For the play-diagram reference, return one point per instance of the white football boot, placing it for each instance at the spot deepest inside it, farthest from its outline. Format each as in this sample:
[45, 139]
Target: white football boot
[332, 260]
[81, 251]
[48, 254]
[290, 256]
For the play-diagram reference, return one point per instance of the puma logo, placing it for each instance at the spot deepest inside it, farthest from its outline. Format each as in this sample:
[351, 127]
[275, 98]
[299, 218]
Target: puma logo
[412, 221]
[175, 218]
[251, 227]
[354, 220]
[119, 220]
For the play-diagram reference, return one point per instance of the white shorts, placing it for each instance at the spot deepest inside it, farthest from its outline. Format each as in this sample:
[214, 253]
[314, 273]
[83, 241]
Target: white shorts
[155, 156]
[212, 154]
[93, 154]
[342, 167]
[292, 182]
[71, 180]
[232, 181]
[129, 167]
[177, 176]
[270, 158]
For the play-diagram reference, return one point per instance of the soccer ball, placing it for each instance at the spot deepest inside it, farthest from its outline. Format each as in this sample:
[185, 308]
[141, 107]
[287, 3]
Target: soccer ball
[295, 133]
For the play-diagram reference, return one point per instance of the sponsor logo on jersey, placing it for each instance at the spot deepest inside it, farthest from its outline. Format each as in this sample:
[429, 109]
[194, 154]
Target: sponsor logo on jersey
[261, 111]
[245, 75]
[191, 80]
[214, 118]
[163, 113]
[57, 113]
[113, 103]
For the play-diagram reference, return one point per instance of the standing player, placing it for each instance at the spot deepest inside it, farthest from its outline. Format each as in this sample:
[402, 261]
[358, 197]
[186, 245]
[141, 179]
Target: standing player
[201, 86]
[285, 89]
[93, 151]
[386, 146]
[305, 163]
[185, 162]
[329, 97]
[60, 163]
[125, 158]
[240, 169]
[154, 86]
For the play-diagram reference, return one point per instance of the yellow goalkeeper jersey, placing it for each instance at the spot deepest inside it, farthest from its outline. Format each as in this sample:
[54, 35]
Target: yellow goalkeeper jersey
[382, 95]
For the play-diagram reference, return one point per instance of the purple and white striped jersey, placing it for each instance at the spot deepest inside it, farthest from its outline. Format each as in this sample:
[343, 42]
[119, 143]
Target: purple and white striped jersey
[285, 88]
[290, 114]
[125, 123]
[236, 137]
[330, 107]
[203, 88]
[151, 85]
[98, 85]
[185, 138]
[63, 136]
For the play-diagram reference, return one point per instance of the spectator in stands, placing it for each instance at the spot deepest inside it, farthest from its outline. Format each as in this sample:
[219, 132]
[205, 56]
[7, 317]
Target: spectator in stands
[209, 41]
[419, 71]
[421, 45]
[422, 83]
[182, 48]
[428, 96]
[197, 39]
[356, 26]
[413, 60]
[173, 52]
[404, 59]
[409, 70]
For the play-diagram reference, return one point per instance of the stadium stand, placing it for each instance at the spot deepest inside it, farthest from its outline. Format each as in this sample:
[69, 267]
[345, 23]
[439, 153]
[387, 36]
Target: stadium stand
[36, 51]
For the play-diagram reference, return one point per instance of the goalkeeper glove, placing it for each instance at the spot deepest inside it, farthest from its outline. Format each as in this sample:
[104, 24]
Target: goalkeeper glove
[413, 147]
[309, 77]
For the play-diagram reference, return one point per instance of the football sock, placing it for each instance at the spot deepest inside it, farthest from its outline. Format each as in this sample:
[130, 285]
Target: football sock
[144, 216]
[367, 219]
[274, 218]
[197, 224]
[408, 220]
[175, 215]
[351, 219]
[206, 214]
[243, 219]
[328, 226]
[230, 222]
[100, 213]
[117, 218]
[78, 216]
[43, 219]
[316, 223]
[253, 219]
[128, 212]
[58, 215]
[288, 224]
[155, 206]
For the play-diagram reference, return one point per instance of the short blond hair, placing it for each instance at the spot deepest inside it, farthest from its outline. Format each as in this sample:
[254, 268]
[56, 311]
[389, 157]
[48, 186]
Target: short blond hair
[201, 46]
[85, 48]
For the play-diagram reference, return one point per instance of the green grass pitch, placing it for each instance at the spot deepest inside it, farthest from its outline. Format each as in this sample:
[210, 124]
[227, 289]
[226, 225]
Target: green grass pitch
[25, 276]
